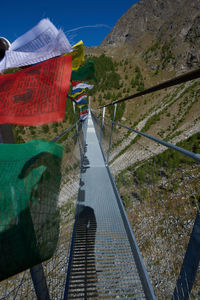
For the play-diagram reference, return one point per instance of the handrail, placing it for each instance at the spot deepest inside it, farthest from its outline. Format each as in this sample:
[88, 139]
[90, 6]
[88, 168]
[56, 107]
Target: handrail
[169, 83]
[58, 137]
[190, 154]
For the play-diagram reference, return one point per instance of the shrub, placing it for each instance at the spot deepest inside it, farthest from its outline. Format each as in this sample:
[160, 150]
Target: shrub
[45, 128]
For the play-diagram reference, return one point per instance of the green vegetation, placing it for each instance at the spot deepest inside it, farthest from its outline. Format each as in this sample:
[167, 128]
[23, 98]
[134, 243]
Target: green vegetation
[119, 111]
[163, 50]
[184, 107]
[105, 71]
[108, 86]
[152, 120]
[16, 130]
[166, 54]
[45, 128]
[161, 164]
[152, 49]
[138, 82]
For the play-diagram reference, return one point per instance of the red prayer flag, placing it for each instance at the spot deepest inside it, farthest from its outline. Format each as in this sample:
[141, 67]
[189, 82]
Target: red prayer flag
[83, 112]
[36, 95]
[74, 83]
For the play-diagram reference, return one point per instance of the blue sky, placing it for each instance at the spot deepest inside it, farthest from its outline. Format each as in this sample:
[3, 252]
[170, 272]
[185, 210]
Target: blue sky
[88, 20]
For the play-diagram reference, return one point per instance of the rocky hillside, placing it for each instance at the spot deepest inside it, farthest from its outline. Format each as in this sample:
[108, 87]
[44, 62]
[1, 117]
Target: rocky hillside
[168, 31]
[153, 41]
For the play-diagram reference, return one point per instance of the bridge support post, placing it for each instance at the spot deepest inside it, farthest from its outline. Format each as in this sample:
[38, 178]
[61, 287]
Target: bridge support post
[79, 143]
[110, 142]
[102, 123]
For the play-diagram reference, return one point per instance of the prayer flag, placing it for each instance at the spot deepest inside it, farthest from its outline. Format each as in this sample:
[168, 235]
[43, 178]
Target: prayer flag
[81, 98]
[82, 112]
[42, 42]
[77, 55]
[36, 95]
[79, 92]
[85, 107]
[30, 176]
[81, 85]
[35, 38]
[76, 91]
[85, 72]
[81, 105]
[83, 117]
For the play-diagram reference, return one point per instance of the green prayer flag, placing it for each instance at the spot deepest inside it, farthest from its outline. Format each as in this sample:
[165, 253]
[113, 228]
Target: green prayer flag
[29, 218]
[85, 72]
[82, 108]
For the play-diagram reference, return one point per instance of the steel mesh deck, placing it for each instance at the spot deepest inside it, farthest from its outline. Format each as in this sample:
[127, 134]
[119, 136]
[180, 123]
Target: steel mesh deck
[102, 262]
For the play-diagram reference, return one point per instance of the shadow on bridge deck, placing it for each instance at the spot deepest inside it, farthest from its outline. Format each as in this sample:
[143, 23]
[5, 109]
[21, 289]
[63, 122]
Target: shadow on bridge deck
[105, 261]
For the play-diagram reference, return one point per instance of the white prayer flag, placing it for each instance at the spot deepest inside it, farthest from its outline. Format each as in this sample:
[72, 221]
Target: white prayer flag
[82, 85]
[42, 42]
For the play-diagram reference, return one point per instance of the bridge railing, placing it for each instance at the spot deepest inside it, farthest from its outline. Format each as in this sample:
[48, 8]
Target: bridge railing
[159, 185]
[47, 280]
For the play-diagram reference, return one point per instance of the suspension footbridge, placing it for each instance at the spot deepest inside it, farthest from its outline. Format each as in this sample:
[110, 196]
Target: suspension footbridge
[150, 250]
[105, 261]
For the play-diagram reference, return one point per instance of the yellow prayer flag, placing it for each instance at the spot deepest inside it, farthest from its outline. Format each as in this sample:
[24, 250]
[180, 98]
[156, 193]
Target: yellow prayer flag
[74, 95]
[77, 55]
[80, 105]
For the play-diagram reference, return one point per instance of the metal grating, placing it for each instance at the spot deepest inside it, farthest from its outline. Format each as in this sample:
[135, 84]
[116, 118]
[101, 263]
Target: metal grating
[102, 262]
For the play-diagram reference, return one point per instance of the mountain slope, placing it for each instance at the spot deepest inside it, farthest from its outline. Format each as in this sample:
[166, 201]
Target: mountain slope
[169, 23]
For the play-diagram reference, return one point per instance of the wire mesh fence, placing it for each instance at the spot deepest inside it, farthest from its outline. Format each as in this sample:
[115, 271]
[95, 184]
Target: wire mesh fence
[51, 217]
[102, 130]
[160, 190]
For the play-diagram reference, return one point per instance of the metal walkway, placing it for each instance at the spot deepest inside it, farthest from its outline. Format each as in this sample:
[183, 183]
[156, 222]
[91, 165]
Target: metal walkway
[104, 262]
